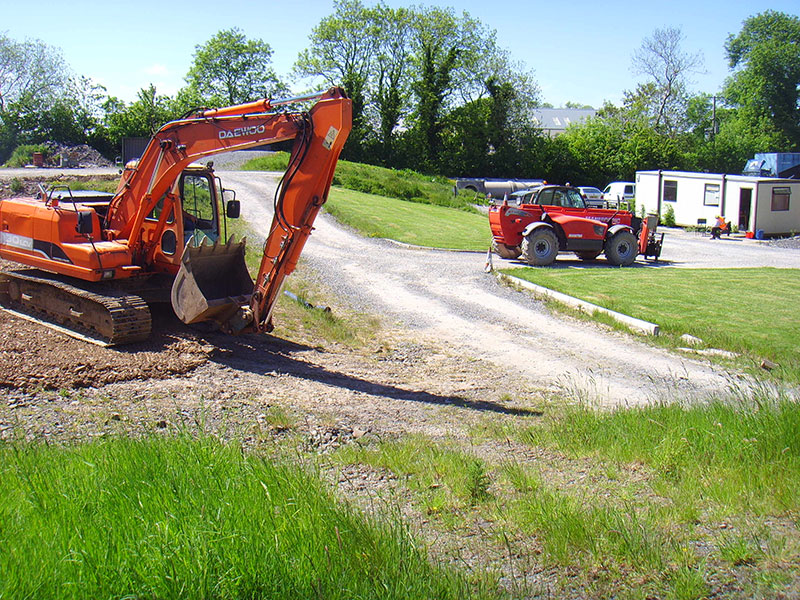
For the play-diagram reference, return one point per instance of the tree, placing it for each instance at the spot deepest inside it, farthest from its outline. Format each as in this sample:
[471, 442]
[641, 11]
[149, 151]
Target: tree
[141, 118]
[765, 85]
[33, 77]
[661, 58]
[451, 56]
[391, 73]
[230, 69]
[30, 72]
[342, 52]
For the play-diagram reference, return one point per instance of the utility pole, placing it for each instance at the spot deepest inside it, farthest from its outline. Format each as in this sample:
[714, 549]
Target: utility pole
[714, 132]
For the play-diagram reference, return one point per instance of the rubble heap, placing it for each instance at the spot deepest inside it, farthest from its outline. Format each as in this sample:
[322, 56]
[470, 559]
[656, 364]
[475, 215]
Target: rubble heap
[82, 156]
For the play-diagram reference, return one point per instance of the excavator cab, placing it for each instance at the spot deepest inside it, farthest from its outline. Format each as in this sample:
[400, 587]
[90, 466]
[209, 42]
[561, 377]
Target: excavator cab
[200, 208]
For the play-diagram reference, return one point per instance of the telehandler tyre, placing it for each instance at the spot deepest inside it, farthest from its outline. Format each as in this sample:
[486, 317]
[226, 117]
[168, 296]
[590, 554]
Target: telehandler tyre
[540, 247]
[622, 249]
[504, 251]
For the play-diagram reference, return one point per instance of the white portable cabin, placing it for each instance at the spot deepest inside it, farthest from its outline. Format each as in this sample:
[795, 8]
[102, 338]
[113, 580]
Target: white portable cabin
[750, 203]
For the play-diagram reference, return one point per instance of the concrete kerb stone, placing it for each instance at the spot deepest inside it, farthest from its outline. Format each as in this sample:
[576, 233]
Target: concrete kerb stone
[636, 324]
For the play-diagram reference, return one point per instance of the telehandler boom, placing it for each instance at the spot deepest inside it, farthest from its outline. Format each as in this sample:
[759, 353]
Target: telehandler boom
[93, 265]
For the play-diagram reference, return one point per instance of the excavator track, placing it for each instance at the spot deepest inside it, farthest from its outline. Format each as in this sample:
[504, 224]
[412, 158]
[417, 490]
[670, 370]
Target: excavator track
[106, 319]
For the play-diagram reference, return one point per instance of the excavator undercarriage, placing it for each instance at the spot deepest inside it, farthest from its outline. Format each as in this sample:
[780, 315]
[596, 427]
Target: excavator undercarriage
[103, 316]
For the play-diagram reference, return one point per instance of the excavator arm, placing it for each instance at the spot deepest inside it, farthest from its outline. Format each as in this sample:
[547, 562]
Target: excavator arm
[301, 193]
[210, 132]
[319, 137]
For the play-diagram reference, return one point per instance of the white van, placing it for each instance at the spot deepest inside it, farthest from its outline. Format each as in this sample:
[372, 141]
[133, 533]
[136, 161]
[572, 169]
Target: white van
[619, 191]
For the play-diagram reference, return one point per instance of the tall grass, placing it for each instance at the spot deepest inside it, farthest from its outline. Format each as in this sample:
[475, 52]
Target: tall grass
[571, 528]
[742, 457]
[169, 518]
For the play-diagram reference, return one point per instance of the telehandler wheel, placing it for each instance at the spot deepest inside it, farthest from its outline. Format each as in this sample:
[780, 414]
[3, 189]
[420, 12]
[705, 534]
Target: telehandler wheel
[622, 249]
[588, 254]
[504, 251]
[540, 247]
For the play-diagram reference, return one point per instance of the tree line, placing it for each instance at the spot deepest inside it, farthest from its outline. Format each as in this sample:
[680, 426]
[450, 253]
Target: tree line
[434, 91]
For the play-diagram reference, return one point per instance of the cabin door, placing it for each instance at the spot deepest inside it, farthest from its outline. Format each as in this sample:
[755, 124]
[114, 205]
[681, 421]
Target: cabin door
[745, 199]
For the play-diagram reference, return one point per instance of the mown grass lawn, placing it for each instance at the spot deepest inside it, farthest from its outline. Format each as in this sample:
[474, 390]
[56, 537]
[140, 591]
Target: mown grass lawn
[410, 222]
[750, 311]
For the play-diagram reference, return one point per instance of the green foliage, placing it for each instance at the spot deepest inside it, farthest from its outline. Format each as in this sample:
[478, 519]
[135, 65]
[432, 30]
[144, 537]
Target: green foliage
[275, 161]
[16, 185]
[39, 101]
[230, 69]
[613, 146]
[23, 155]
[142, 118]
[765, 55]
[669, 217]
[343, 50]
[404, 185]
[391, 183]
[31, 74]
[177, 517]
[413, 64]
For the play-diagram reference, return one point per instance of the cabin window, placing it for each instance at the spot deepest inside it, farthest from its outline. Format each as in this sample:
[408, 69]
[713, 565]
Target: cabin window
[711, 194]
[780, 198]
[545, 197]
[670, 190]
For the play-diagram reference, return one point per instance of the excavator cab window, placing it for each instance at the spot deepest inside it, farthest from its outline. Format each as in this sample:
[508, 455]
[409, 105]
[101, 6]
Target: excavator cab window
[199, 208]
[155, 214]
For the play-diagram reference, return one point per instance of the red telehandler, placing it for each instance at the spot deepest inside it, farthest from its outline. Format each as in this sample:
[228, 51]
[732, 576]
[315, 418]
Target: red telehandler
[93, 265]
[554, 218]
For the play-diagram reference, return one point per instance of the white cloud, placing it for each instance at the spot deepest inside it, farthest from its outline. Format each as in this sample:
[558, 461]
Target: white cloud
[156, 69]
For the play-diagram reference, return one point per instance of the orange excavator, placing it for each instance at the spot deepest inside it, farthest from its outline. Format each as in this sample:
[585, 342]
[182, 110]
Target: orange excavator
[94, 263]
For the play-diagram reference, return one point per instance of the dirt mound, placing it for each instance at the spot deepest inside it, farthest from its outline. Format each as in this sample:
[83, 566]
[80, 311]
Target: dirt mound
[81, 156]
[35, 357]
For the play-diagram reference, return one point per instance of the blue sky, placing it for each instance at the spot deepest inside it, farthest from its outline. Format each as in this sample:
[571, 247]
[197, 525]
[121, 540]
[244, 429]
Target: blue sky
[578, 50]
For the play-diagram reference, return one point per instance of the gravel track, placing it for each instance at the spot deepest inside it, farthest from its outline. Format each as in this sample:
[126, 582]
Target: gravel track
[449, 299]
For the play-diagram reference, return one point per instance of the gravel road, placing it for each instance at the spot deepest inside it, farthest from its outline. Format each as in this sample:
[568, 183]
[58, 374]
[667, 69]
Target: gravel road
[448, 298]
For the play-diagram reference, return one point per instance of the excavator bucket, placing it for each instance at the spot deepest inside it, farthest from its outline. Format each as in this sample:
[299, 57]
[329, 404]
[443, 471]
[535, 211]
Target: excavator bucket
[212, 283]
